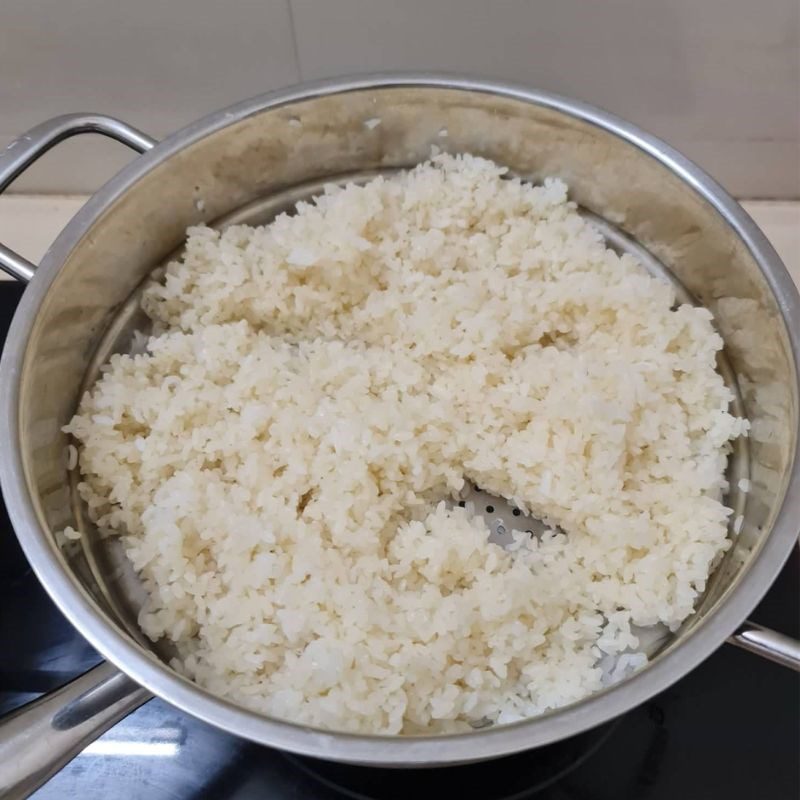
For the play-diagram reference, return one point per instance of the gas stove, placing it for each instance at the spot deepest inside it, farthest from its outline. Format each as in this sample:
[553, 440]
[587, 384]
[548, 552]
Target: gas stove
[730, 729]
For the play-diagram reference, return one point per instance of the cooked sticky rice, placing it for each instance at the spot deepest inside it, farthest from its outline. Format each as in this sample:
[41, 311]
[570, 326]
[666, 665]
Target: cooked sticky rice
[281, 459]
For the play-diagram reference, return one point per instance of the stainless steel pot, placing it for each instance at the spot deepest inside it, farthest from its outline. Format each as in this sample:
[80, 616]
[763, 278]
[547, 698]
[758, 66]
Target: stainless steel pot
[273, 146]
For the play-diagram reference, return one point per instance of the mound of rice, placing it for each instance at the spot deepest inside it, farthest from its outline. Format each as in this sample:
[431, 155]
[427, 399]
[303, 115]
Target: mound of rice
[278, 458]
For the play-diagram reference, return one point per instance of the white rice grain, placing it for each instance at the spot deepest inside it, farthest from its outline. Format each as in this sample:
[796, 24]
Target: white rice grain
[276, 459]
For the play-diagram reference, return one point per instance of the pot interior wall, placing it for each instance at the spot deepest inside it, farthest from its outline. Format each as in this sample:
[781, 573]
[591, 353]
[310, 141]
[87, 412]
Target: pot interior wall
[271, 149]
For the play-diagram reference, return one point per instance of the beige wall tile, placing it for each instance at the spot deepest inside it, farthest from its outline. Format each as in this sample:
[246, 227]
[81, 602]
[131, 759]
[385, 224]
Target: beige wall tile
[719, 79]
[158, 64]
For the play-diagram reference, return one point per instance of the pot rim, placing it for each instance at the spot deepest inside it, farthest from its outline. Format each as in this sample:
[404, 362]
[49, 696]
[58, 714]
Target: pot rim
[141, 665]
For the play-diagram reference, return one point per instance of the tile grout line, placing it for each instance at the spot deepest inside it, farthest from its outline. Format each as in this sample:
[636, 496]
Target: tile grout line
[295, 43]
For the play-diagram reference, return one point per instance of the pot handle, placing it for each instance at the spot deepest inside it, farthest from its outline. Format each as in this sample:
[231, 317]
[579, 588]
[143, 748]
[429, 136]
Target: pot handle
[769, 644]
[22, 152]
[39, 738]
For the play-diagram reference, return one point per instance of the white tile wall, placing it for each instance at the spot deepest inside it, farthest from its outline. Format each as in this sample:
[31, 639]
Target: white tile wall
[720, 79]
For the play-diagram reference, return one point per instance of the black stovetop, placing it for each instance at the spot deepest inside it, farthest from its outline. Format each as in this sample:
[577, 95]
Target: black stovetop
[729, 730]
